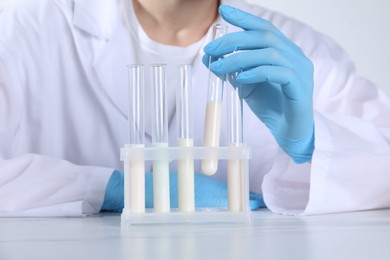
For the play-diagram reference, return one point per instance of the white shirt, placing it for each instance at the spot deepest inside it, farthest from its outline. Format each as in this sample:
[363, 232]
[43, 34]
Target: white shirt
[63, 116]
[150, 52]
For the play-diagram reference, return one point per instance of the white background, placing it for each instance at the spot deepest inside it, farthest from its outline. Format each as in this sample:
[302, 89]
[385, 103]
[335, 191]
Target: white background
[361, 27]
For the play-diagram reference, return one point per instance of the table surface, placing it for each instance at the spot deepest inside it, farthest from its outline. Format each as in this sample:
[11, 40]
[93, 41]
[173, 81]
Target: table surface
[357, 235]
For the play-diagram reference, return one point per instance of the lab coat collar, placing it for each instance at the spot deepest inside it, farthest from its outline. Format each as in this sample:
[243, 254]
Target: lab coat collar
[99, 18]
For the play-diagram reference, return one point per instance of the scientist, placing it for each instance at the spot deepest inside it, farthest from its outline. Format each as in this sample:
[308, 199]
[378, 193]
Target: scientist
[320, 135]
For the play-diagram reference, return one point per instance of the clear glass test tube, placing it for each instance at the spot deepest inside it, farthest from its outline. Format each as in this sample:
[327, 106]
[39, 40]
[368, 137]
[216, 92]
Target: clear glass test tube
[212, 128]
[134, 178]
[160, 139]
[235, 112]
[235, 135]
[184, 111]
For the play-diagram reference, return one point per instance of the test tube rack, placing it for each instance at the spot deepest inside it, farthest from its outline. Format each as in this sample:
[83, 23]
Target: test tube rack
[200, 215]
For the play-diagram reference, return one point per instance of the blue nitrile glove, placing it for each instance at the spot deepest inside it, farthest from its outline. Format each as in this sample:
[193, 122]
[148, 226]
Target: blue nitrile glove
[114, 195]
[276, 77]
[209, 192]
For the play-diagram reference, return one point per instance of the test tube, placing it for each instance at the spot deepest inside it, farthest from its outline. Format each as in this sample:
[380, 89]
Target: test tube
[212, 128]
[134, 179]
[185, 168]
[160, 139]
[235, 135]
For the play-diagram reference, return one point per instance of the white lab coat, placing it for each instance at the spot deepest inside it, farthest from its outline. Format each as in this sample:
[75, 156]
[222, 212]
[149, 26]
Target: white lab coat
[63, 116]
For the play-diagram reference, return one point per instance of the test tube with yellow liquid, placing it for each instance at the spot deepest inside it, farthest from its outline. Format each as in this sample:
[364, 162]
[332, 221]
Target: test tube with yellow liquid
[184, 111]
[134, 178]
[161, 196]
[212, 127]
[235, 168]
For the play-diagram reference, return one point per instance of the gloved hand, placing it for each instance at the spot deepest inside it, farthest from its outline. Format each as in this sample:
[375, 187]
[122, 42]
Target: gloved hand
[209, 192]
[275, 76]
[114, 195]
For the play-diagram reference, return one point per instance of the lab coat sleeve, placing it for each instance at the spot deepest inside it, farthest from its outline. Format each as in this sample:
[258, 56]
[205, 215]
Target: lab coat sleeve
[38, 185]
[350, 168]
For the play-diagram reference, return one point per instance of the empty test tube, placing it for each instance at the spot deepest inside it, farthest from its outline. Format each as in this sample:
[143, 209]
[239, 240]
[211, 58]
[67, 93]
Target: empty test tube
[160, 139]
[134, 179]
[185, 168]
[235, 135]
[213, 110]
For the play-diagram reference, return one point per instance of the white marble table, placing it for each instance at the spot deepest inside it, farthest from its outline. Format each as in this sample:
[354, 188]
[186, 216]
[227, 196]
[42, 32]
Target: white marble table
[359, 235]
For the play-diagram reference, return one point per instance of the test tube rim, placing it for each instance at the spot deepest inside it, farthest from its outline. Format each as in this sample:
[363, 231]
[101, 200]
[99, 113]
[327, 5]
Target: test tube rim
[156, 65]
[184, 66]
[130, 66]
[221, 26]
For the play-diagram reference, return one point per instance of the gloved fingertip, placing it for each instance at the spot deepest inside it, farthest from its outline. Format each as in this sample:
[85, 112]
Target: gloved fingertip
[213, 68]
[210, 47]
[255, 204]
[256, 201]
[242, 78]
[217, 67]
[226, 10]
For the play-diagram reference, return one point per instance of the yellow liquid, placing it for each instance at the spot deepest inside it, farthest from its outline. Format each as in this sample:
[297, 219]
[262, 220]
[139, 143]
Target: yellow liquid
[211, 135]
[161, 198]
[185, 171]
